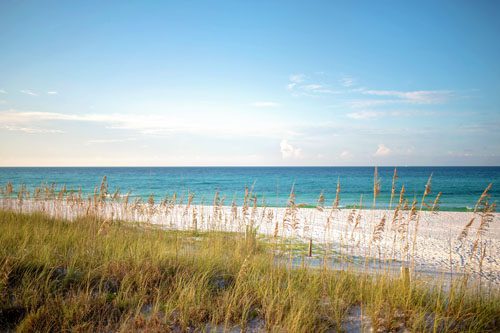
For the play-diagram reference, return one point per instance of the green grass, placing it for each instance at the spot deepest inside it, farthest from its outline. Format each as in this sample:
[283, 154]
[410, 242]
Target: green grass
[87, 275]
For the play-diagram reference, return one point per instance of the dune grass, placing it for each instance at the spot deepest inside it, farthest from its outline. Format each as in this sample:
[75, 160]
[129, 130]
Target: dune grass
[58, 275]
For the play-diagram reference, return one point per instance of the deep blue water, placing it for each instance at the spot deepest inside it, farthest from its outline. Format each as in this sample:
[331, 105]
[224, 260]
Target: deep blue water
[460, 186]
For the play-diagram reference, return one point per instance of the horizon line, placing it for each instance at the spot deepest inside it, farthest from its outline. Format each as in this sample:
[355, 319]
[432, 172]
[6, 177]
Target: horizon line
[248, 166]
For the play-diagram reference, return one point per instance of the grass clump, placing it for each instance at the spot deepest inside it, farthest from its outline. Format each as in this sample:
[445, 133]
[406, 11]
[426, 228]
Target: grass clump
[59, 275]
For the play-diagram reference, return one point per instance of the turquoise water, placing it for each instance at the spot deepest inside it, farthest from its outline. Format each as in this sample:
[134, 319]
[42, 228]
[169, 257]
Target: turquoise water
[460, 186]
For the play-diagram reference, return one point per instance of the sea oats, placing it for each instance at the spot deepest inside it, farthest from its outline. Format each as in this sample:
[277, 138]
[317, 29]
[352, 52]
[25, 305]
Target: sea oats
[393, 187]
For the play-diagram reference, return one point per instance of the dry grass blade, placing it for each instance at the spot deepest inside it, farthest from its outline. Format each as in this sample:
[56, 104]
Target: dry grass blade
[487, 217]
[484, 197]
[465, 231]
[393, 187]
[320, 205]
[103, 190]
[376, 187]
[336, 202]
[290, 215]
[379, 230]
[428, 186]
[435, 204]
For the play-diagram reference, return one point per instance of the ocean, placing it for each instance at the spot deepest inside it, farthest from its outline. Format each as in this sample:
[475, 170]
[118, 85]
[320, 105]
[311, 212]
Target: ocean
[460, 186]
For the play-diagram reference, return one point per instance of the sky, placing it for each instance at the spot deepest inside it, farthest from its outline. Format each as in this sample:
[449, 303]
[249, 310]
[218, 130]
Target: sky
[249, 83]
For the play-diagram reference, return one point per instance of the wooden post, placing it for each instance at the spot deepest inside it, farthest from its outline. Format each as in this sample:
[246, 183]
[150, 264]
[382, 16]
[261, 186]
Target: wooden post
[405, 275]
[310, 248]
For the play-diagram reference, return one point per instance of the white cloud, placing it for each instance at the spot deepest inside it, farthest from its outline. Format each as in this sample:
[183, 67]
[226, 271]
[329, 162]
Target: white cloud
[294, 81]
[297, 78]
[312, 87]
[370, 114]
[2, 91]
[30, 130]
[347, 81]
[302, 85]
[298, 86]
[161, 124]
[368, 103]
[52, 92]
[267, 125]
[318, 89]
[417, 97]
[13, 116]
[289, 151]
[29, 92]
[266, 104]
[363, 115]
[345, 155]
[382, 150]
[99, 141]
[460, 154]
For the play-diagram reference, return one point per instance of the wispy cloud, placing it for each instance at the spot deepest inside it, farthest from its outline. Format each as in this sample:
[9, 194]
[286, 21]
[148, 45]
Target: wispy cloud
[2, 91]
[157, 124]
[382, 150]
[264, 126]
[363, 115]
[369, 103]
[299, 84]
[104, 141]
[318, 89]
[266, 104]
[312, 87]
[29, 92]
[302, 85]
[417, 97]
[470, 153]
[294, 80]
[345, 155]
[297, 78]
[52, 93]
[30, 130]
[371, 114]
[289, 151]
[347, 81]
[13, 116]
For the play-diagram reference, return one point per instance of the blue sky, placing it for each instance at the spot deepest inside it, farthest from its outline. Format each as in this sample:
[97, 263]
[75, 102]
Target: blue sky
[249, 83]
